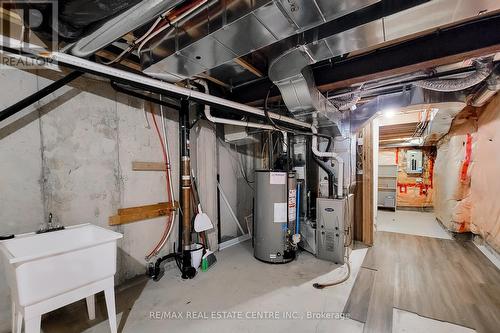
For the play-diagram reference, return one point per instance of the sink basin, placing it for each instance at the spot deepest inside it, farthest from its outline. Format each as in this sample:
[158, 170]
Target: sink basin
[50, 270]
[41, 266]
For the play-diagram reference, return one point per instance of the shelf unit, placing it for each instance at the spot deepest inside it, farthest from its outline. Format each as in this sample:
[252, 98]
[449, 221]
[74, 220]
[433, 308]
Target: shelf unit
[387, 186]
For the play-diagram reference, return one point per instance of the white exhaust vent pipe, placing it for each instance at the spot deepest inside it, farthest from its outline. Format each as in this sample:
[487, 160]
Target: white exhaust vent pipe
[333, 155]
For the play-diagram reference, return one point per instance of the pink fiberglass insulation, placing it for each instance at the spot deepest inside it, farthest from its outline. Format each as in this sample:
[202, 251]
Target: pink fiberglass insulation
[485, 175]
[452, 189]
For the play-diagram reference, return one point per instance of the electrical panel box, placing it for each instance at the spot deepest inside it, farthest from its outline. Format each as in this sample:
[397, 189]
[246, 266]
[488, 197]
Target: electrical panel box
[414, 161]
[334, 222]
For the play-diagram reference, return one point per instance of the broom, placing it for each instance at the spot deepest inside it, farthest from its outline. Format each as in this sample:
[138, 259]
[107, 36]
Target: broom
[208, 259]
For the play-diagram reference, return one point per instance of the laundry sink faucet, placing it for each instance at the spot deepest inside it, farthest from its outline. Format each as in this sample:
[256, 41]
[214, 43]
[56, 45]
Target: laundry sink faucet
[49, 226]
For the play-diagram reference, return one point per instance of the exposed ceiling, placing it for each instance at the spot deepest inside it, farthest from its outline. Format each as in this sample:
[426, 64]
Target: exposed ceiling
[334, 54]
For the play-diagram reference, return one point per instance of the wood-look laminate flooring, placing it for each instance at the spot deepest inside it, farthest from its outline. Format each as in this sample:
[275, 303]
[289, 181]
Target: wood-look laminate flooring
[441, 279]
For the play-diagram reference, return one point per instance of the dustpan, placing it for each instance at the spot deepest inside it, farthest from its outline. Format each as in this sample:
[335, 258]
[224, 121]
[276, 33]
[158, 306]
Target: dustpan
[202, 221]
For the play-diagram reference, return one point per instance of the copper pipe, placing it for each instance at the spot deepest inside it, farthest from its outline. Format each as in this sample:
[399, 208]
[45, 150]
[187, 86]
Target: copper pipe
[186, 202]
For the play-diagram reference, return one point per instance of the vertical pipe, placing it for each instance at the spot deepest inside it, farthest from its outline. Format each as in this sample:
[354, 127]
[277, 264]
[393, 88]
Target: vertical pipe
[185, 184]
[219, 232]
[270, 147]
[297, 218]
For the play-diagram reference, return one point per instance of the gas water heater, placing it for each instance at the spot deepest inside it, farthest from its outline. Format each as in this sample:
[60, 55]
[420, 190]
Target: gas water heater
[274, 216]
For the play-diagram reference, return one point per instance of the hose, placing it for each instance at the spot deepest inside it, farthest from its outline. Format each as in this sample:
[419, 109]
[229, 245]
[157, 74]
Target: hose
[344, 279]
[483, 70]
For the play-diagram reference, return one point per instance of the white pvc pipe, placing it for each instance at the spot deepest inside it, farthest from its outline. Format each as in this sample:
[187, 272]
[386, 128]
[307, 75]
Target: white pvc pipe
[335, 156]
[208, 115]
[242, 123]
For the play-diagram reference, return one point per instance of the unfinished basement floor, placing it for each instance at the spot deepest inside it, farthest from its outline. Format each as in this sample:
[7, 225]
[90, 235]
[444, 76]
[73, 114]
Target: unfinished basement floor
[402, 287]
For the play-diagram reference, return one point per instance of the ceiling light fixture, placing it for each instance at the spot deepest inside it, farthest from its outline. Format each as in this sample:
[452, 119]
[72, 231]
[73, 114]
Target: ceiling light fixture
[389, 112]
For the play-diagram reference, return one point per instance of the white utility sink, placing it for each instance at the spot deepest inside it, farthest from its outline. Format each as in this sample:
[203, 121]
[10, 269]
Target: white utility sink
[50, 270]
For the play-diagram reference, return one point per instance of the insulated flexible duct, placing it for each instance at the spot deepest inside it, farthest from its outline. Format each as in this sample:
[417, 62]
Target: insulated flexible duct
[483, 70]
[346, 102]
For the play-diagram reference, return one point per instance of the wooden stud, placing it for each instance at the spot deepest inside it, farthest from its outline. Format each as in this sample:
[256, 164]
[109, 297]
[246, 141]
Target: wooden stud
[214, 80]
[249, 67]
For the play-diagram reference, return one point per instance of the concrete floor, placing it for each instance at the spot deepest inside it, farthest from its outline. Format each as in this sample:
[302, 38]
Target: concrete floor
[239, 283]
[410, 223]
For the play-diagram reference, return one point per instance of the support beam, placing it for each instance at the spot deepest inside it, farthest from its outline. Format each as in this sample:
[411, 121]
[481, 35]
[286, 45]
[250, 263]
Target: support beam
[15, 108]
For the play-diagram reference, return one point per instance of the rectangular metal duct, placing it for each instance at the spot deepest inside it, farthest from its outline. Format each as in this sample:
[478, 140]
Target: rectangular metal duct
[291, 73]
[225, 30]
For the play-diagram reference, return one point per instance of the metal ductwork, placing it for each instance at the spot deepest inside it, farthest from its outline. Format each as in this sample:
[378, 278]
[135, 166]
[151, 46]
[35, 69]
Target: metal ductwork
[214, 35]
[444, 106]
[442, 116]
[127, 21]
[290, 72]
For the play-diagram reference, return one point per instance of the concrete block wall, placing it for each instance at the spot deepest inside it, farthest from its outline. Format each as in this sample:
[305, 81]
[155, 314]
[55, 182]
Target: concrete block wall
[71, 154]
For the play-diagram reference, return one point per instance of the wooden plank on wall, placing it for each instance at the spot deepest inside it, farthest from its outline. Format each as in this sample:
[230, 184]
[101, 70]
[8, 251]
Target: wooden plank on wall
[134, 214]
[368, 185]
[148, 166]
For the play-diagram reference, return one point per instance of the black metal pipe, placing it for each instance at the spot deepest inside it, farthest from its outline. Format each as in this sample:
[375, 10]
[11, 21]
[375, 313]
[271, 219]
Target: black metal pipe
[329, 172]
[154, 271]
[25, 102]
[188, 272]
[133, 93]
[270, 149]
[149, 88]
